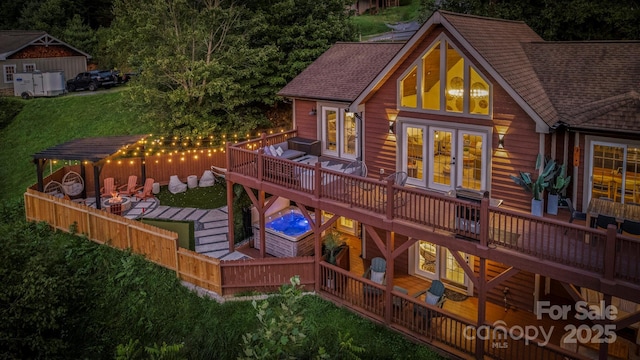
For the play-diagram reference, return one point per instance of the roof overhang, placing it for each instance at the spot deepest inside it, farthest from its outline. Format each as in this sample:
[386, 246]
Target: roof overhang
[44, 40]
[89, 149]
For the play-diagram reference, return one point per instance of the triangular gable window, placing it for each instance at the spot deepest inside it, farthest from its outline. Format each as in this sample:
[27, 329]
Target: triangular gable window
[447, 83]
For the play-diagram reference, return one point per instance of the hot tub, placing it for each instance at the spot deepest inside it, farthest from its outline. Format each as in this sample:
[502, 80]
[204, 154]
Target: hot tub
[288, 234]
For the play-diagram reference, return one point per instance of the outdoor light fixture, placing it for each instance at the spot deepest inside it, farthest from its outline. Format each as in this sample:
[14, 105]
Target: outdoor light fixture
[313, 111]
[500, 141]
[392, 127]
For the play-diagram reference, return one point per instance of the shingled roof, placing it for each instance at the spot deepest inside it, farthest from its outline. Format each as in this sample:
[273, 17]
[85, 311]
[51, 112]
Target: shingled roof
[593, 85]
[12, 41]
[342, 72]
[585, 85]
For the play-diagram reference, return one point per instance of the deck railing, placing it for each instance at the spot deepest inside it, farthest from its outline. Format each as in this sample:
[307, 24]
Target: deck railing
[547, 239]
[265, 275]
[413, 316]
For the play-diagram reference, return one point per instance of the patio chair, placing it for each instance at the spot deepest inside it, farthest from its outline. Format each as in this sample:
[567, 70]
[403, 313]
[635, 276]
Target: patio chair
[399, 178]
[630, 227]
[147, 190]
[72, 183]
[433, 296]
[573, 213]
[603, 221]
[176, 186]
[131, 187]
[376, 273]
[218, 172]
[54, 188]
[109, 188]
[207, 179]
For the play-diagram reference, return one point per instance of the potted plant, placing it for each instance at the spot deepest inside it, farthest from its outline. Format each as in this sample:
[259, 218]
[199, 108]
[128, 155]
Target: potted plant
[333, 243]
[557, 186]
[537, 186]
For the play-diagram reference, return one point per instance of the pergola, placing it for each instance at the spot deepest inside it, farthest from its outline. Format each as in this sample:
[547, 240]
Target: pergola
[88, 150]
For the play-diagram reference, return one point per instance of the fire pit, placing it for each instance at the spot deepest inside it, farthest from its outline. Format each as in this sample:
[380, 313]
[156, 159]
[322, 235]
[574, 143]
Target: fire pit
[115, 198]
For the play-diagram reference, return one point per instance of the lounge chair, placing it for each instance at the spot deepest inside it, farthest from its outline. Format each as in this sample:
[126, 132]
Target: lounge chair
[109, 188]
[376, 273]
[218, 171]
[433, 296]
[131, 187]
[146, 190]
[176, 186]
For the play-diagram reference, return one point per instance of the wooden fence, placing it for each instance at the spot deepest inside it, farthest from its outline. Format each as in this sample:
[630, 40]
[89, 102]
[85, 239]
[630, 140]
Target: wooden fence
[161, 247]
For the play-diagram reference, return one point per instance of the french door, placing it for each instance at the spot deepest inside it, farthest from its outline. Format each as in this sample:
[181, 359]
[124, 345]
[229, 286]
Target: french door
[436, 262]
[443, 158]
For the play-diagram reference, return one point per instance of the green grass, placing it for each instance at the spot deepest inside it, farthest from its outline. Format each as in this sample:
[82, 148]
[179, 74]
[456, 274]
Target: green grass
[46, 122]
[211, 197]
[375, 24]
[186, 239]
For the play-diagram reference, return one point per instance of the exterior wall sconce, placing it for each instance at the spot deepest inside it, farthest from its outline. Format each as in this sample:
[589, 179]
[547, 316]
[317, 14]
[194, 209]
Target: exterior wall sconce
[392, 127]
[313, 111]
[500, 141]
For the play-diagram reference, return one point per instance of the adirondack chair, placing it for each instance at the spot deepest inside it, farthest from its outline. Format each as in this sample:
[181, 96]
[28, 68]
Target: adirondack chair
[147, 190]
[109, 188]
[131, 187]
[433, 296]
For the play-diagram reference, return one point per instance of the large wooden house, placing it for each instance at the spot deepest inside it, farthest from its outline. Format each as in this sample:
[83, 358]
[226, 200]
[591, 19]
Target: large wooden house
[464, 104]
[29, 51]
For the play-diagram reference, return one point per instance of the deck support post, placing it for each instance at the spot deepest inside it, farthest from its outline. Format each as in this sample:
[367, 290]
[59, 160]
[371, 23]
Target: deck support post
[230, 236]
[318, 246]
[388, 254]
[482, 305]
[262, 220]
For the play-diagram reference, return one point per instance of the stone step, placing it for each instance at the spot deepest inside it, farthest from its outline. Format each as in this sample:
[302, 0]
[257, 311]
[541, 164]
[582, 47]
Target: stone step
[196, 215]
[183, 214]
[215, 254]
[209, 232]
[211, 238]
[214, 215]
[236, 255]
[215, 224]
[169, 213]
[218, 246]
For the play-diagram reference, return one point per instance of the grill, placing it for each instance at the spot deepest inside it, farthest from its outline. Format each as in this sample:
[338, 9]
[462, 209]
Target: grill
[468, 219]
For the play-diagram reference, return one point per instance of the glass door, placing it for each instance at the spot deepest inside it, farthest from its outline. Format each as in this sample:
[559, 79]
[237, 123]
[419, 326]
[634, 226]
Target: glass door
[442, 154]
[349, 131]
[330, 131]
[414, 153]
[471, 160]
[436, 262]
[615, 172]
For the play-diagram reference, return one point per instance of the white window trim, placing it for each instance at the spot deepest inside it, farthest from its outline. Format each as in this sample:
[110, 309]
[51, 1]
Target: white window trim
[340, 117]
[24, 67]
[444, 40]
[4, 73]
[485, 131]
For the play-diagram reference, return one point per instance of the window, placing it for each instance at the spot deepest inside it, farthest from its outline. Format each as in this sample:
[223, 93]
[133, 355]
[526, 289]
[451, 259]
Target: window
[615, 171]
[447, 81]
[29, 67]
[339, 133]
[8, 71]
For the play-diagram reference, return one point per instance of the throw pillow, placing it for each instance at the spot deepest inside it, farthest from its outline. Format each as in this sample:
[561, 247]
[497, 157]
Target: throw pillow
[377, 276]
[431, 299]
[266, 150]
[279, 151]
[272, 150]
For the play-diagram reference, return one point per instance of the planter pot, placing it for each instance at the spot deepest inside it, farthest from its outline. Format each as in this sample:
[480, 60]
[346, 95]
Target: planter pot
[537, 207]
[552, 205]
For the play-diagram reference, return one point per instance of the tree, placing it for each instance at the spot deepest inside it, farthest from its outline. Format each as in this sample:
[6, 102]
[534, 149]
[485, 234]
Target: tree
[215, 66]
[560, 20]
[80, 35]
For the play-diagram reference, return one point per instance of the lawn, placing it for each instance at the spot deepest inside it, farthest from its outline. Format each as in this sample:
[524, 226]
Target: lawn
[368, 25]
[211, 197]
[46, 122]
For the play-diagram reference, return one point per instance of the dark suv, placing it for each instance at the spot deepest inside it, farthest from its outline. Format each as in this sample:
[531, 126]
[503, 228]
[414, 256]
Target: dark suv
[92, 80]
